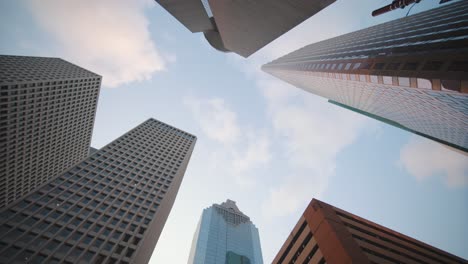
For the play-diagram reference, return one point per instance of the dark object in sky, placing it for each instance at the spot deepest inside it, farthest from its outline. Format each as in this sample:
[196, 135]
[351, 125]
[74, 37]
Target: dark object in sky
[398, 4]
[242, 27]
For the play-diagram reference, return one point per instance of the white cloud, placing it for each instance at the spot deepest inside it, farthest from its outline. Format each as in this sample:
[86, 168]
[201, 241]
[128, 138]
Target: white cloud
[109, 37]
[310, 131]
[216, 119]
[255, 153]
[424, 158]
[313, 132]
[242, 149]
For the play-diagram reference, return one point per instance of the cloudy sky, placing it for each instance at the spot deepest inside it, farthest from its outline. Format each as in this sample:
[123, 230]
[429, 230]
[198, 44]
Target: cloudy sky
[261, 142]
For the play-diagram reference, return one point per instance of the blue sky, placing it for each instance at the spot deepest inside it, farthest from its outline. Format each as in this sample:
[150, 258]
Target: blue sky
[261, 142]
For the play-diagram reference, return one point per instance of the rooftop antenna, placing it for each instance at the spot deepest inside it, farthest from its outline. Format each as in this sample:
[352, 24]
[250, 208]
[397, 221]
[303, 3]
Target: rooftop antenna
[398, 4]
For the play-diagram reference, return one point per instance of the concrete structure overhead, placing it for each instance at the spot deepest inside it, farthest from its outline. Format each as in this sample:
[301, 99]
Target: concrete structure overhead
[109, 208]
[326, 234]
[242, 27]
[47, 112]
[191, 13]
[247, 26]
[225, 235]
[411, 73]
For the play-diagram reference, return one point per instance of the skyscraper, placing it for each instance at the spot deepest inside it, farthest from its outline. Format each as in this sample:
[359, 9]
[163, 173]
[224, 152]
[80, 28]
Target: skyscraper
[326, 234]
[47, 110]
[411, 72]
[242, 27]
[108, 208]
[225, 235]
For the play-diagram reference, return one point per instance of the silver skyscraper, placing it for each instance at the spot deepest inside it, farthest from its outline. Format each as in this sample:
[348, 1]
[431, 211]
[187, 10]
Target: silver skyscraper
[411, 72]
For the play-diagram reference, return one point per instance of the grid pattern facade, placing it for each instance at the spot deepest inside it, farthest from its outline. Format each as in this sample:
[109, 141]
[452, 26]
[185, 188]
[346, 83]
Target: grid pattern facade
[101, 210]
[47, 111]
[326, 234]
[412, 71]
[225, 235]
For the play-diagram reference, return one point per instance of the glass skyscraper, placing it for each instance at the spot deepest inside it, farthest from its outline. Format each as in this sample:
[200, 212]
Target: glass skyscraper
[411, 72]
[225, 235]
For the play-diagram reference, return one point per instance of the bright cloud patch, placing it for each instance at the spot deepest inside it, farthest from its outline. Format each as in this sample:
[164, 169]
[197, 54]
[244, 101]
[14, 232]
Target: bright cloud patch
[423, 158]
[242, 149]
[109, 37]
[216, 120]
[312, 132]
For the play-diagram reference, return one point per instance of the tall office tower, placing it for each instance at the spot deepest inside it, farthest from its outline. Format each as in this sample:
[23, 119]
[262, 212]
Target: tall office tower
[47, 110]
[326, 234]
[411, 72]
[242, 27]
[109, 208]
[225, 235]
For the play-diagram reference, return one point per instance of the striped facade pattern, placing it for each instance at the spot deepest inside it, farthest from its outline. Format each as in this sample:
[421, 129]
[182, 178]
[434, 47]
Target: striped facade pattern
[326, 234]
[412, 71]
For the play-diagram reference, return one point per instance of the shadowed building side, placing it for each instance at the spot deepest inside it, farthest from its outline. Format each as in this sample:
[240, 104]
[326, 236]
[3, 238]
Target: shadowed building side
[242, 27]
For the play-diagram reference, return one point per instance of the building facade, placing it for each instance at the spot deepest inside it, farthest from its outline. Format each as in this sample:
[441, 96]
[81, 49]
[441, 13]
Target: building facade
[225, 235]
[47, 111]
[242, 27]
[108, 208]
[411, 72]
[326, 234]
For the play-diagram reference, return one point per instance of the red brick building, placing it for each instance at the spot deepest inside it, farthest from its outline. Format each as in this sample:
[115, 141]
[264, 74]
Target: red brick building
[326, 234]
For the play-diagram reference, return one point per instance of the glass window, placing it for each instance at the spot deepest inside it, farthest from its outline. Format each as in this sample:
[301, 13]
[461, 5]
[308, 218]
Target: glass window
[65, 232]
[63, 249]
[119, 249]
[87, 240]
[108, 246]
[87, 224]
[116, 235]
[53, 229]
[76, 236]
[136, 240]
[424, 83]
[387, 80]
[404, 81]
[98, 242]
[76, 252]
[129, 252]
[52, 246]
[451, 85]
[27, 238]
[88, 255]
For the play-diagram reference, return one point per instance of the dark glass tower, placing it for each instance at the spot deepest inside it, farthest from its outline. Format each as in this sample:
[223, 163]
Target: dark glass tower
[225, 235]
[411, 72]
[47, 110]
[109, 208]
